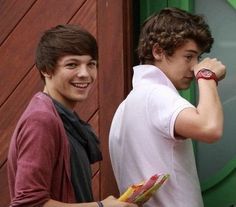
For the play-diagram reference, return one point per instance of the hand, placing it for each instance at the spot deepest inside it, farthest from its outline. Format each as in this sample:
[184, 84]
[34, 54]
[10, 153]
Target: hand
[212, 64]
[113, 202]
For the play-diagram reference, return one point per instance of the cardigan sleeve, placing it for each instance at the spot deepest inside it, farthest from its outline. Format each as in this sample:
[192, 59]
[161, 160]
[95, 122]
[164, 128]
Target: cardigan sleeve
[38, 144]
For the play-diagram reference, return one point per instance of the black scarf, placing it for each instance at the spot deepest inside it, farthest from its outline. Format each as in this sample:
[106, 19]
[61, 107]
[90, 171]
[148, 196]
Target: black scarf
[84, 150]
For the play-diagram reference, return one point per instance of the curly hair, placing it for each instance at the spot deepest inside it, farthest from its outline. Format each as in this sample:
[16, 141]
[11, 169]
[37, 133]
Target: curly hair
[169, 30]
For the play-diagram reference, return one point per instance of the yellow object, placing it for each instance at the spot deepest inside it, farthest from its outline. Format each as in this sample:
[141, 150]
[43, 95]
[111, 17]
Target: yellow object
[142, 192]
[129, 192]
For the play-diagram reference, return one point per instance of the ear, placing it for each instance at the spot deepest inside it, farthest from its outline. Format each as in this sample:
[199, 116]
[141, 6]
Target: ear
[157, 52]
[46, 74]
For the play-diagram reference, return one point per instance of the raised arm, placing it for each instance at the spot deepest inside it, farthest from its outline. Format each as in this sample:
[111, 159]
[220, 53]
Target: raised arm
[205, 122]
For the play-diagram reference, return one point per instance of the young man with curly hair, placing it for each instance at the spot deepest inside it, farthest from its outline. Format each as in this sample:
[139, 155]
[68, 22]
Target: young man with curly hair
[152, 128]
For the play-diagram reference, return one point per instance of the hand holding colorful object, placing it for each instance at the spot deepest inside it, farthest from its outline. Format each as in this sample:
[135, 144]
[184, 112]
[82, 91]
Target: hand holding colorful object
[142, 192]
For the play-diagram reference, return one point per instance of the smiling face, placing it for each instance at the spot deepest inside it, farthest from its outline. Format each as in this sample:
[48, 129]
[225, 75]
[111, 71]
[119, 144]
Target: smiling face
[179, 67]
[71, 80]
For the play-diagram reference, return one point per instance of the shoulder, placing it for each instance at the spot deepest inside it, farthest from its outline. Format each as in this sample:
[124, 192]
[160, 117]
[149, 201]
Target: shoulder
[166, 102]
[163, 95]
[40, 107]
[39, 118]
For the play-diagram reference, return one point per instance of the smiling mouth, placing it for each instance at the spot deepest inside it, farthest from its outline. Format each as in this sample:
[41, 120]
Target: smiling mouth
[80, 85]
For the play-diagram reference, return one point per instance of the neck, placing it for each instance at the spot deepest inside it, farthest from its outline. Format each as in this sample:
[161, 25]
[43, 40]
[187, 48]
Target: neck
[68, 106]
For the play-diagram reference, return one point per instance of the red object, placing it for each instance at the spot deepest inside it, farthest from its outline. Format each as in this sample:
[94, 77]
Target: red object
[142, 188]
[207, 74]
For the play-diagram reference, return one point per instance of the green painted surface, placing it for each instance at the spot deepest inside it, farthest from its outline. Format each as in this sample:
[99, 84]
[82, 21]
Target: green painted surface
[232, 3]
[148, 7]
[183, 4]
[219, 190]
[190, 94]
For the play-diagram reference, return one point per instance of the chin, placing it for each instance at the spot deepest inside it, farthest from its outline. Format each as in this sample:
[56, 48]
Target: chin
[78, 98]
[183, 87]
[83, 98]
[186, 87]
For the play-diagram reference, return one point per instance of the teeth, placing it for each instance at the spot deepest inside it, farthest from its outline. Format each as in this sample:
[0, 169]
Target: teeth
[81, 85]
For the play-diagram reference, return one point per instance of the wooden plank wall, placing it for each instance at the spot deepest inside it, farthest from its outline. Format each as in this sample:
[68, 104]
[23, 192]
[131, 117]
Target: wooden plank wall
[116, 51]
[21, 24]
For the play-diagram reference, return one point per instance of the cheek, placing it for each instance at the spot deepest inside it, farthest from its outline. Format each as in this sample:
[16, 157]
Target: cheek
[94, 74]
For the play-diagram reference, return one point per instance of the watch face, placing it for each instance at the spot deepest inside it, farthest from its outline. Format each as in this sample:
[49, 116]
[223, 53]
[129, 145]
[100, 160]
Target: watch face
[207, 73]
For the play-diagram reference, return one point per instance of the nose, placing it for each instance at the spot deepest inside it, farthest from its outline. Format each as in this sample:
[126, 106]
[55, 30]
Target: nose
[195, 62]
[83, 71]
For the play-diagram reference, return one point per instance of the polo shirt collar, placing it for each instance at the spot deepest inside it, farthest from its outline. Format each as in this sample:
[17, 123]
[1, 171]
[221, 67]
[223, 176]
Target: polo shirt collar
[151, 75]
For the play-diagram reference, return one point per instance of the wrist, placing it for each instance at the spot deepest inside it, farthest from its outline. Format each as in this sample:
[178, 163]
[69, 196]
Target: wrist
[100, 204]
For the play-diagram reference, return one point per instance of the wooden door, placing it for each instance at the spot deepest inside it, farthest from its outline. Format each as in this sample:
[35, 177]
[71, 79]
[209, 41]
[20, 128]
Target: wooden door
[21, 25]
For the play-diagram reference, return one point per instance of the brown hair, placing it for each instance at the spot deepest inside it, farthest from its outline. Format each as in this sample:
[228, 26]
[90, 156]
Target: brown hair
[63, 40]
[170, 29]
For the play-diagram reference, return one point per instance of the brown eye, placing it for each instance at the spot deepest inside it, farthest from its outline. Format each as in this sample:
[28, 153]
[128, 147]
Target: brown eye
[189, 57]
[92, 64]
[71, 65]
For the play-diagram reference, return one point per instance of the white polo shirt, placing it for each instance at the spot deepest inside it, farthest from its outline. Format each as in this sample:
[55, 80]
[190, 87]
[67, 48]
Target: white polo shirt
[142, 141]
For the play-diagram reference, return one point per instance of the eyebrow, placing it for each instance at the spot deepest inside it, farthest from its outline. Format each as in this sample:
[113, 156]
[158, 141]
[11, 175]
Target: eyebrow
[192, 51]
[78, 60]
[71, 59]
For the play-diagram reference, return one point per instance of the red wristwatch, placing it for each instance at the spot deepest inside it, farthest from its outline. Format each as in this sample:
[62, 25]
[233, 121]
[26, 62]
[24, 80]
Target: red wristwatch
[207, 74]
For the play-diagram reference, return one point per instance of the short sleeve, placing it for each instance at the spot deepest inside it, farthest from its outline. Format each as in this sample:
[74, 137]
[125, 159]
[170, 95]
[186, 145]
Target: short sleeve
[164, 105]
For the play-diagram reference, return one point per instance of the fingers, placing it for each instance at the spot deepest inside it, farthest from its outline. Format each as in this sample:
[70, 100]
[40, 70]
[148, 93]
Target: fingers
[111, 201]
[132, 205]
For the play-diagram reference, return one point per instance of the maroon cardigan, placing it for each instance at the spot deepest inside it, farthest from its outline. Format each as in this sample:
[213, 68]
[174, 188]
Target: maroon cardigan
[39, 157]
